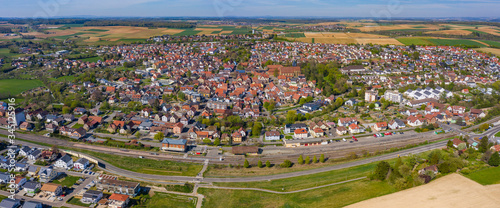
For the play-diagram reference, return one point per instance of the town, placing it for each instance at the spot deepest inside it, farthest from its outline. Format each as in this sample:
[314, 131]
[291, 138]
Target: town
[107, 123]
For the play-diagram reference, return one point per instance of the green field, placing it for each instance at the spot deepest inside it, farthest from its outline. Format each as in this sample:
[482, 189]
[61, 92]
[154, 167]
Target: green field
[486, 176]
[331, 197]
[97, 30]
[67, 181]
[16, 86]
[166, 200]
[92, 59]
[295, 35]
[72, 35]
[307, 181]
[189, 31]
[456, 42]
[491, 43]
[148, 166]
[76, 201]
[415, 41]
[480, 32]
[5, 52]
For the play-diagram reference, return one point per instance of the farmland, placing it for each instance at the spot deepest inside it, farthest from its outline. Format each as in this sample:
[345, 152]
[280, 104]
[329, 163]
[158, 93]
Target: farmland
[16, 86]
[415, 41]
[456, 42]
[333, 196]
[344, 38]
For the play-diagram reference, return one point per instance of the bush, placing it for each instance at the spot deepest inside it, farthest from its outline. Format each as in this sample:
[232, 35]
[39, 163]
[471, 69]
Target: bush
[322, 158]
[246, 164]
[381, 171]
[259, 164]
[286, 164]
[268, 164]
[300, 161]
[494, 159]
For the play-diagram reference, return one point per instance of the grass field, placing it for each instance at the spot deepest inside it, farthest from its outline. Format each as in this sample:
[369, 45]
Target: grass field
[16, 86]
[76, 201]
[295, 35]
[148, 166]
[415, 41]
[486, 176]
[92, 59]
[5, 52]
[67, 181]
[331, 197]
[308, 181]
[456, 42]
[491, 43]
[167, 200]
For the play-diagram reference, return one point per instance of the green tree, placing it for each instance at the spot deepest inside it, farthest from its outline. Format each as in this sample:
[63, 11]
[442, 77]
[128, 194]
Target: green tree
[494, 159]
[66, 110]
[246, 164]
[217, 142]
[268, 164]
[322, 158]
[256, 129]
[137, 134]
[449, 144]
[308, 160]
[371, 106]
[259, 164]
[159, 136]
[382, 170]
[422, 107]
[315, 159]
[483, 144]
[300, 161]
[291, 117]
[286, 164]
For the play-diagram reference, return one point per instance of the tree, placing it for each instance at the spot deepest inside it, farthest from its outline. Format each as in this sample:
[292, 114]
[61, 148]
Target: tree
[291, 117]
[382, 170]
[308, 160]
[276, 73]
[422, 107]
[159, 136]
[286, 164]
[371, 106]
[315, 159]
[256, 129]
[217, 142]
[300, 161]
[138, 135]
[322, 158]
[462, 146]
[449, 144]
[268, 164]
[483, 144]
[259, 164]
[66, 110]
[494, 159]
[246, 164]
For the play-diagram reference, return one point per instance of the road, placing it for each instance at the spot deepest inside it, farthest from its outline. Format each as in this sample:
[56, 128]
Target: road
[160, 178]
[489, 133]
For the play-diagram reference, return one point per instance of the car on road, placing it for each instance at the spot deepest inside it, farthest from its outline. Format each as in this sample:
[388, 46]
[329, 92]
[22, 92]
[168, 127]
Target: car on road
[375, 135]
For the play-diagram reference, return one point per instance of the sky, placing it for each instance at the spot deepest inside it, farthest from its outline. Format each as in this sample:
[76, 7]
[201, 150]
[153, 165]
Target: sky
[386, 9]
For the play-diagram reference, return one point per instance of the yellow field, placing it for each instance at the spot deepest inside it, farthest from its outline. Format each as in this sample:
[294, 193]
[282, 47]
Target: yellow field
[347, 38]
[451, 32]
[451, 191]
[495, 51]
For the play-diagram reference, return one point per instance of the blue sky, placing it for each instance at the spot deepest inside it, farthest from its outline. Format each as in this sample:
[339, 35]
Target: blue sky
[225, 8]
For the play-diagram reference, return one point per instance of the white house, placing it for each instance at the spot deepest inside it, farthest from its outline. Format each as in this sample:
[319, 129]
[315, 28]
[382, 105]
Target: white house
[81, 164]
[66, 162]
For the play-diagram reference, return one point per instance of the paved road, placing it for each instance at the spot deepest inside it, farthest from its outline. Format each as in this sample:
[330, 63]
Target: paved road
[155, 178]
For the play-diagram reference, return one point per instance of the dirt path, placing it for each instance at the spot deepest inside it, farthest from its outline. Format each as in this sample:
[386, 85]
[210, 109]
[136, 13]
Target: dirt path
[452, 191]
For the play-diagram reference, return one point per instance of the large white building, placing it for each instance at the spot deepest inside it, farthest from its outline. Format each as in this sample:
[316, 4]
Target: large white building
[393, 96]
[428, 92]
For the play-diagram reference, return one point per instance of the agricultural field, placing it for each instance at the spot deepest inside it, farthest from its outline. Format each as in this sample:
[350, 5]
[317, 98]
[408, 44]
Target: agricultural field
[415, 41]
[5, 52]
[456, 42]
[166, 200]
[346, 38]
[332, 196]
[16, 86]
[443, 192]
[486, 176]
[495, 51]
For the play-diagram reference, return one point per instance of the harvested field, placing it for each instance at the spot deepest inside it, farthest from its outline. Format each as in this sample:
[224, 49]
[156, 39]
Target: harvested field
[495, 51]
[401, 27]
[208, 31]
[380, 41]
[450, 32]
[453, 191]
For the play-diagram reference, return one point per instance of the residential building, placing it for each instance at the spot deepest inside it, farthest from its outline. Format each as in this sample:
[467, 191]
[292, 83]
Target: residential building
[116, 186]
[91, 197]
[65, 162]
[52, 189]
[272, 136]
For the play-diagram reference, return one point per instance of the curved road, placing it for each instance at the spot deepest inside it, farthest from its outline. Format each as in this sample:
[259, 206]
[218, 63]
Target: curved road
[158, 178]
